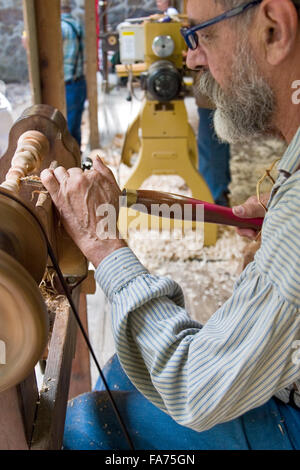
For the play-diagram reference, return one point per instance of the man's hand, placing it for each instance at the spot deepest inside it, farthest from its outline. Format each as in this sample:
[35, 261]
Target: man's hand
[78, 196]
[251, 209]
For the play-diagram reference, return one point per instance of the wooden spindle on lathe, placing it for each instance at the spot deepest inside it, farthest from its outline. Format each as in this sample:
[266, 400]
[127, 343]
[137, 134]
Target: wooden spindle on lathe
[32, 147]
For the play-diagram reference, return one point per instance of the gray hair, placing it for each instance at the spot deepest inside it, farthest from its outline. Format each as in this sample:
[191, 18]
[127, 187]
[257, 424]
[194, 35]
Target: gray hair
[247, 17]
[228, 4]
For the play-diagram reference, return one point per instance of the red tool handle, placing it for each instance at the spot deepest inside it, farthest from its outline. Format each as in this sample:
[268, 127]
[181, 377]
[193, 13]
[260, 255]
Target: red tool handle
[213, 213]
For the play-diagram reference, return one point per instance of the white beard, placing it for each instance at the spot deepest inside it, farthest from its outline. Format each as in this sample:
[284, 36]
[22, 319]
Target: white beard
[224, 129]
[245, 110]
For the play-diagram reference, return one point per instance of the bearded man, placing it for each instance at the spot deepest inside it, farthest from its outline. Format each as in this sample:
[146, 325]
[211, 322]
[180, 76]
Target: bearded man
[232, 383]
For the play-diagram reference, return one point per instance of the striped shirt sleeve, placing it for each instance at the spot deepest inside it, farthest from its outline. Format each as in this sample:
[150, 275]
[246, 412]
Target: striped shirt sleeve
[200, 375]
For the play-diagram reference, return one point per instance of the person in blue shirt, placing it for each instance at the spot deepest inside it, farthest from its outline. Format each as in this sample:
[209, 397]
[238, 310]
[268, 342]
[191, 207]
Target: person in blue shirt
[75, 83]
[213, 155]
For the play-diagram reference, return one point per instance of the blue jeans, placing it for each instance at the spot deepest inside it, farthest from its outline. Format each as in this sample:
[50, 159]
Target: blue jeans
[75, 97]
[92, 425]
[214, 157]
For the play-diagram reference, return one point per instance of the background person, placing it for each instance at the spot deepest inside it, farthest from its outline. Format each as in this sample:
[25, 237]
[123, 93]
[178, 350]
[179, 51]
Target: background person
[213, 155]
[167, 7]
[75, 83]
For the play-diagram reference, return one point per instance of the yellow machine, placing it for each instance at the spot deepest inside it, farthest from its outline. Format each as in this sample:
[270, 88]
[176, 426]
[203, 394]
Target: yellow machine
[161, 134]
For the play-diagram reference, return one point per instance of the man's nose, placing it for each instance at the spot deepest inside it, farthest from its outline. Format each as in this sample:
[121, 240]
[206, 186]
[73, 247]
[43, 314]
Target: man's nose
[196, 58]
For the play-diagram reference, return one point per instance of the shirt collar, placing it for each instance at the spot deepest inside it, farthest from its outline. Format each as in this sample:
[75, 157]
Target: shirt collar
[291, 158]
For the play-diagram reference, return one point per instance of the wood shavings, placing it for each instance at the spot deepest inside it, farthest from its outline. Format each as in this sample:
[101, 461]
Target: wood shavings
[248, 163]
[38, 192]
[31, 179]
[55, 302]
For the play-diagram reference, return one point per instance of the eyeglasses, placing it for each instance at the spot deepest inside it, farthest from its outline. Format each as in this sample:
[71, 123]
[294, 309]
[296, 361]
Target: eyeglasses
[266, 175]
[190, 34]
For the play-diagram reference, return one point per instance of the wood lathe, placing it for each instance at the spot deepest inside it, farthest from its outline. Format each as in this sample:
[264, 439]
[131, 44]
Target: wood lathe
[28, 419]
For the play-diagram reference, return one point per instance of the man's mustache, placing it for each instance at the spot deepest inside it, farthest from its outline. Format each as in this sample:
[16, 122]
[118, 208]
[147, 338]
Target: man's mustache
[207, 85]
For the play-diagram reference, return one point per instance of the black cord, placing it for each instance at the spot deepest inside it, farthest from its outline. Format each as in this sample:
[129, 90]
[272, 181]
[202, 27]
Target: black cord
[74, 309]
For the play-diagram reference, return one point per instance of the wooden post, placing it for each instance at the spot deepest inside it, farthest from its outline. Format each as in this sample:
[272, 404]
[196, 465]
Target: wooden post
[184, 6]
[50, 415]
[91, 54]
[81, 376]
[50, 53]
[32, 50]
[103, 30]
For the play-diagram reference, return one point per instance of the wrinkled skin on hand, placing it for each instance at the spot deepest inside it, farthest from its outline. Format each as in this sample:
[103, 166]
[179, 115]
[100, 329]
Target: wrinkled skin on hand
[77, 196]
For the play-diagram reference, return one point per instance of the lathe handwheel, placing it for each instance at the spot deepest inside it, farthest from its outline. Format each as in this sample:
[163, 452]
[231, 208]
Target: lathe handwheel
[23, 322]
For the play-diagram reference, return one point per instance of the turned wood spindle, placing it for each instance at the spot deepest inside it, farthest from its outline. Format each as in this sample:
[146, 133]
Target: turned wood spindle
[32, 147]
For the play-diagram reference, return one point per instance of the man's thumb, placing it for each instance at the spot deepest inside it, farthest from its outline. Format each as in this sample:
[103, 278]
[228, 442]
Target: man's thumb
[251, 208]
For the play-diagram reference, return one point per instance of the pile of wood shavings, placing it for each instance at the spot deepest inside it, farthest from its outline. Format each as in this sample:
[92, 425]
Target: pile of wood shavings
[31, 178]
[55, 304]
[248, 163]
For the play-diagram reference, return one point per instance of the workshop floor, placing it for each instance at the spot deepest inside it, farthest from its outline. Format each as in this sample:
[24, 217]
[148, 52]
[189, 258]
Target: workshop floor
[206, 274]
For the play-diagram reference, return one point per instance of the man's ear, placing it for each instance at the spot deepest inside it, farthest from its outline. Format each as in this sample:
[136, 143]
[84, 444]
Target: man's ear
[278, 24]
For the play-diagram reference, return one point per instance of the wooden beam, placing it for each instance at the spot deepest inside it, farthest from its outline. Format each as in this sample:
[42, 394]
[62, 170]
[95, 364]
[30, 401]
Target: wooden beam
[32, 50]
[81, 374]
[50, 416]
[50, 53]
[91, 54]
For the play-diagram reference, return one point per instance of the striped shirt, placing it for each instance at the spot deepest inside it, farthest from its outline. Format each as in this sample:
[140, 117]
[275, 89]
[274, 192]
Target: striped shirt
[73, 67]
[247, 352]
